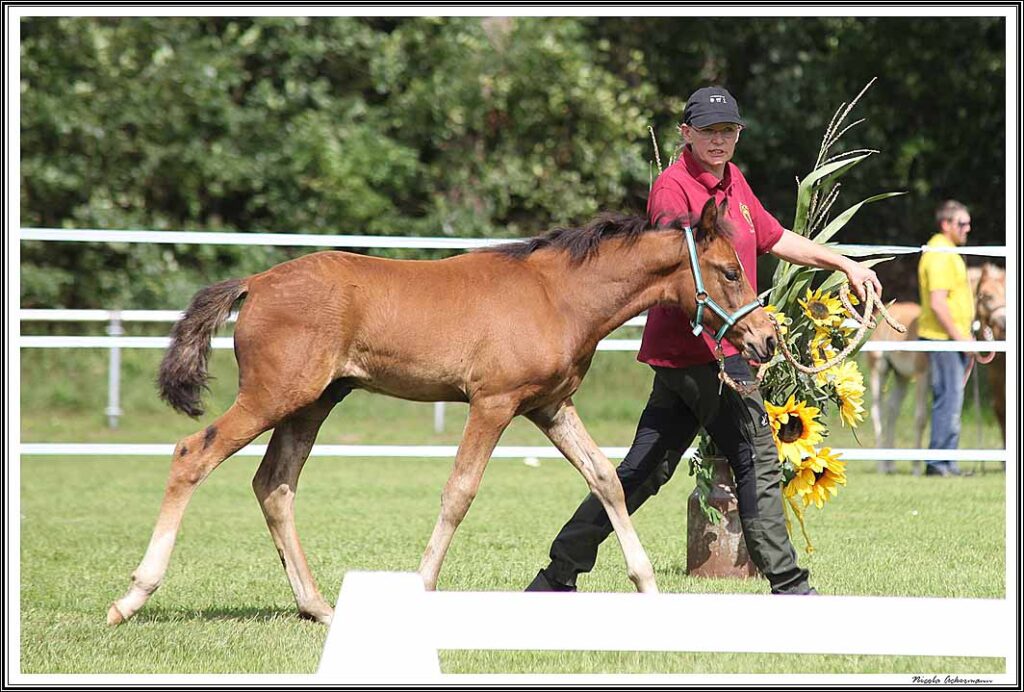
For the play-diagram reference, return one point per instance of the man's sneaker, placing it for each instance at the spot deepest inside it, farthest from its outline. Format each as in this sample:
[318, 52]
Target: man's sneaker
[543, 583]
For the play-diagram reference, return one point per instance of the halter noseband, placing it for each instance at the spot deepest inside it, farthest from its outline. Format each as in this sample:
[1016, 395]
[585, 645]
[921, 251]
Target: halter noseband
[703, 299]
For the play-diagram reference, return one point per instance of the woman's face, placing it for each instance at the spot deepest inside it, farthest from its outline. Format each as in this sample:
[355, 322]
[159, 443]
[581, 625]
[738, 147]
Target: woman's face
[714, 145]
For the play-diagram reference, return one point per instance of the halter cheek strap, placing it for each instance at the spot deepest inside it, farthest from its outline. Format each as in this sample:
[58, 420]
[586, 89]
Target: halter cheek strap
[703, 299]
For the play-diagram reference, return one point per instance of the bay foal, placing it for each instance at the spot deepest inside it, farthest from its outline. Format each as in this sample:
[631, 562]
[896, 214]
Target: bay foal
[511, 330]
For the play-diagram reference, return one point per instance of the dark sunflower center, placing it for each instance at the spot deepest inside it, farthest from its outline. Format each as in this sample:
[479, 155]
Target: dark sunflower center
[819, 311]
[791, 430]
[818, 475]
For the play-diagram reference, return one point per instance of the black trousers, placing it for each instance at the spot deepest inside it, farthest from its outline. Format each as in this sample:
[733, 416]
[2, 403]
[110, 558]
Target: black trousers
[682, 401]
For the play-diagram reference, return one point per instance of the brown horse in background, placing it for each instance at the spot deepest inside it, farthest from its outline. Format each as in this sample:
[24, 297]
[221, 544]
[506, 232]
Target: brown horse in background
[988, 283]
[511, 330]
[905, 367]
[990, 312]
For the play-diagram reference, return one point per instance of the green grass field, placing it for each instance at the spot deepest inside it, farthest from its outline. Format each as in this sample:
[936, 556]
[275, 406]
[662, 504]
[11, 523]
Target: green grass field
[225, 606]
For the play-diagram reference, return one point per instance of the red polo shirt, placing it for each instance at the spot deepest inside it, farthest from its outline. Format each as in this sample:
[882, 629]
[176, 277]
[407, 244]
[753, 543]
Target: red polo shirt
[684, 188]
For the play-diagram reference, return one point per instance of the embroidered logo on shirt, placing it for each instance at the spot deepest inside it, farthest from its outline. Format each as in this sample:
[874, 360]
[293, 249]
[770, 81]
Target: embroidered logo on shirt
[764, 420]
[745, 210]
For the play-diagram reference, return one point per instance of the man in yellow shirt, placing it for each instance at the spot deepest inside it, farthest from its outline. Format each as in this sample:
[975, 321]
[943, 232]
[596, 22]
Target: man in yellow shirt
[947, 311]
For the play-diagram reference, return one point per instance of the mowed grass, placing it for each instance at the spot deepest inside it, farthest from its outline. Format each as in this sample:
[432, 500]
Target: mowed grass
[225, 606]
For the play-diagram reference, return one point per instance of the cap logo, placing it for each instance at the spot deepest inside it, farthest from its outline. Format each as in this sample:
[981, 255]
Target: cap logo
[716, 99]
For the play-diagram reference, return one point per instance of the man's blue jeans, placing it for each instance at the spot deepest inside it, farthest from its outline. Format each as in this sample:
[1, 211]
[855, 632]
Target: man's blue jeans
[947, 370]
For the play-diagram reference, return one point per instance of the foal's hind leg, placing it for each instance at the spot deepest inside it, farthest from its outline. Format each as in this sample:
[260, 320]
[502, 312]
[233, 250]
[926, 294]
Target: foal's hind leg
[483, 428]
[194, 458]
[275, 484]
[565, 429]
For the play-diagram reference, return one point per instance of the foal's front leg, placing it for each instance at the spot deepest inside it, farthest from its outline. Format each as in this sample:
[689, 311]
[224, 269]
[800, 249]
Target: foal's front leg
[564, 428]
[486, 422]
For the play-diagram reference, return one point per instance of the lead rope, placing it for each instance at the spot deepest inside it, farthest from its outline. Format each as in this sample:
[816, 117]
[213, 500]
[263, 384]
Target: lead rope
[986, 335]
[865, 321]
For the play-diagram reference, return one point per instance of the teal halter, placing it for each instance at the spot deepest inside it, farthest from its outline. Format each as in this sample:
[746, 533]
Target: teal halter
[704, 299]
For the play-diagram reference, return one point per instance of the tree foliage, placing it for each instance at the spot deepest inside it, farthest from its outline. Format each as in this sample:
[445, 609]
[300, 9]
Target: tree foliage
[462, 127]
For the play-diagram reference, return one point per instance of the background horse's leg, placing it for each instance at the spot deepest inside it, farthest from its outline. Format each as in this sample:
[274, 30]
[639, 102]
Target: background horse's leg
[275, 485]
[879, 366]
[194, 458]
[891, 410]
[922, 388]
[565, 429]
[484, 426]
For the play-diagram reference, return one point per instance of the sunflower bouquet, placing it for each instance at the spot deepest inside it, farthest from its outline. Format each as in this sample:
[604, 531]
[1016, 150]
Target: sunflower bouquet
[816, 329]
[797, 402]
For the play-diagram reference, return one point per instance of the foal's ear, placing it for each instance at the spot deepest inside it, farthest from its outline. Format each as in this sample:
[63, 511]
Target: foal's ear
[709, 219]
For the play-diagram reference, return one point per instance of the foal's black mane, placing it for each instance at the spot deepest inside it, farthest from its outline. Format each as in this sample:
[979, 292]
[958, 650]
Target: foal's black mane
[583, 242]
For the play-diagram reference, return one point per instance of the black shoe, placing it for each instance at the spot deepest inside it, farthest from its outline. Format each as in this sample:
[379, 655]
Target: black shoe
[934, 470]
[544, 583]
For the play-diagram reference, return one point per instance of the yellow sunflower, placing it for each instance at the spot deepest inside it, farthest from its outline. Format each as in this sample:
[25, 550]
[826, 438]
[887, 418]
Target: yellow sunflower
[800, 484]
[795, 428]
[849, 384]
[826, 481]
[779, 317]
[821, 341]
[823, 309]
[822, 350]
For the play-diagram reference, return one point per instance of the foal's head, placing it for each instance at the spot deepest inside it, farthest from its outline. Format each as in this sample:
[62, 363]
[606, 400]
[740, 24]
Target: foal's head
[726, 283]
[990, 299]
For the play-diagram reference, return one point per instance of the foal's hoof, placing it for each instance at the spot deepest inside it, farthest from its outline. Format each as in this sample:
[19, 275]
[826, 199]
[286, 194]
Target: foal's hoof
[323, 615]
[114, 616]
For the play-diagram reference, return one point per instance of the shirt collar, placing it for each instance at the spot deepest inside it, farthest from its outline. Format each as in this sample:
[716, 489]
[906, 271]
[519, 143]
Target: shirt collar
[708, 180]
[941, 239]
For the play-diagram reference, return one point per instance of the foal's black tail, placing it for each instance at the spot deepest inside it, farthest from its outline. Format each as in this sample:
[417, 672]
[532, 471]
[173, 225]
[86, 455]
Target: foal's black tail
[183, 372]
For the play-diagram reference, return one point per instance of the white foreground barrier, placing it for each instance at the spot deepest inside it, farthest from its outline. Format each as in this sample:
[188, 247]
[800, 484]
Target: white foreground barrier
[387, 628]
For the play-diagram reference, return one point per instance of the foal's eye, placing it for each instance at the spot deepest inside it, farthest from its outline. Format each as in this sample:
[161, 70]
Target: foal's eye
[732, 275]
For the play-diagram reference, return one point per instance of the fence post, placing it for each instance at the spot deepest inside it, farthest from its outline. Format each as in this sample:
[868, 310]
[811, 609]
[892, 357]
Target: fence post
[115, 328]
[439, 417]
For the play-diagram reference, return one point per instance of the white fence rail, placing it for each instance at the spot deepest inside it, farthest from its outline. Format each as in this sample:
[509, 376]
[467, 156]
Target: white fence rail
[89, 235]
[388, 628]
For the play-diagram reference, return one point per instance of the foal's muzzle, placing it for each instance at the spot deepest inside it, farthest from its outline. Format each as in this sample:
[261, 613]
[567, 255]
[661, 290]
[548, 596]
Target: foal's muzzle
[762, 352]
